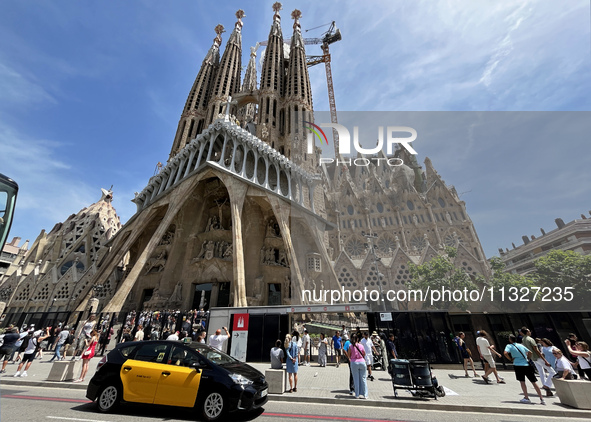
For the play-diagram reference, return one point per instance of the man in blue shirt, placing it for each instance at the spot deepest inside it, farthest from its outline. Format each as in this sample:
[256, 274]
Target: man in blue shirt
[519, 355]
[336, 345]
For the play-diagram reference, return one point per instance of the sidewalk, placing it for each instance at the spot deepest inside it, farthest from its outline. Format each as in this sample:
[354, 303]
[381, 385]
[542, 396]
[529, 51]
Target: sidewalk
[330, 386]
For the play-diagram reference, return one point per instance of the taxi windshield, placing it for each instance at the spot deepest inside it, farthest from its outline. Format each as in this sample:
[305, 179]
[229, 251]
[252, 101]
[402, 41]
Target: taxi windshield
[211, 354]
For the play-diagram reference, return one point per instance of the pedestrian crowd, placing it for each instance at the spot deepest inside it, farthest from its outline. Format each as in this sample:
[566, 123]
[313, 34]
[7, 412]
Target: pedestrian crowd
[359, 350]
[531, 358]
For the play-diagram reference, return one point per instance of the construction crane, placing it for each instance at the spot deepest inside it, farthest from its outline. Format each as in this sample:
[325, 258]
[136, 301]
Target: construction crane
[329, 37]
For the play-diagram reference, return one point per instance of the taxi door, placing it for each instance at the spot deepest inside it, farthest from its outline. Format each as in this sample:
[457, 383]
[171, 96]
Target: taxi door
[179, 384]
[140, 375]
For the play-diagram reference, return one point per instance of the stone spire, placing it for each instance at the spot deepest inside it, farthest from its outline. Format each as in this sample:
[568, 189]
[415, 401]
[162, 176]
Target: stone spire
[249, 85]
[192, 120]
[227, 80]
[271, 86]
[298, 98]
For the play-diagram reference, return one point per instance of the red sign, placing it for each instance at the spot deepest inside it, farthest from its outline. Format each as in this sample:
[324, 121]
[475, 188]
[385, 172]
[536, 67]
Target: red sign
[240, 322]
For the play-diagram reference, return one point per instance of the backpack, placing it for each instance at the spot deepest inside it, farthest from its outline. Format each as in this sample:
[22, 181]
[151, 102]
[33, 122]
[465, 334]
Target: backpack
[70, 339]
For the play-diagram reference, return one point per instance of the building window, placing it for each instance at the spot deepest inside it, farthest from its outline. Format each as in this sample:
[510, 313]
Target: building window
[314, 262]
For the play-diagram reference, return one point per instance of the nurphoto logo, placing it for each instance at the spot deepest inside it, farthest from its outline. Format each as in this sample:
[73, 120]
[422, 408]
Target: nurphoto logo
[345, 144]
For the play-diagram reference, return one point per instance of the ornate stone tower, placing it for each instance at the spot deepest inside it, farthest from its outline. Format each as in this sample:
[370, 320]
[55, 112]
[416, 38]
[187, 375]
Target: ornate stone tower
[194, 115]
[270, 113]
[227, 79]
[298, 100]
[58, 269]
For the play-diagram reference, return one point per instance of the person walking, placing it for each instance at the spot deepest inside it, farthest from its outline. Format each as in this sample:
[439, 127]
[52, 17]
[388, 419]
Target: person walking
[88, 354]
[486, 351]
[369, 351]
[344, 333]
[61, 340]
[465, 353]
[291, 364]
[356, 356]
[336, 345]
[9, 345]
[519, 355]
[322, 349]
[547, 348]
[33, 344]
[537, 357]
[104, 339]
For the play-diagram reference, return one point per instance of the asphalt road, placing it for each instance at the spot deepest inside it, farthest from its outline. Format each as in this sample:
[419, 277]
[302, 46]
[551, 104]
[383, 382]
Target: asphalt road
[28, 404]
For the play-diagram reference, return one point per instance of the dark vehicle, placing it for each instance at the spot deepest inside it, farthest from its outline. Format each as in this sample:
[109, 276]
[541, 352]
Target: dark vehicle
[176, 374]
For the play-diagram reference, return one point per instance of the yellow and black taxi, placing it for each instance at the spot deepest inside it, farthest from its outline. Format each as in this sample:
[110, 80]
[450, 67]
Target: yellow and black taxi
[176, 374]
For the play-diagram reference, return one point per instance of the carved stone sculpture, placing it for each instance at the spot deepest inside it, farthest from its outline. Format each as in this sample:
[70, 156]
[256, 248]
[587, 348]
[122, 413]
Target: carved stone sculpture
[157, 263]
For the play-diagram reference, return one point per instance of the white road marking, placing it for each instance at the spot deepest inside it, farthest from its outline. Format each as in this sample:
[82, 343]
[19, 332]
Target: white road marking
[74, 419]
[449, 392]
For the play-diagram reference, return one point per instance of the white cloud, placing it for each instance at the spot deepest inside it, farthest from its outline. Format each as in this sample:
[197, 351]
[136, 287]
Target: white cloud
[50, 189]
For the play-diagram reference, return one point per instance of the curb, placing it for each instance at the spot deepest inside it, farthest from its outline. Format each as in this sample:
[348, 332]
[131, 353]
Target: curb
[46, 384]
[394, 404]
[432, 405]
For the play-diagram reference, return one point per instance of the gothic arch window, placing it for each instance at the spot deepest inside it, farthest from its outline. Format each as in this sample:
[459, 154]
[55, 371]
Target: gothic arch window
[418, 242]
[386, 244]
[355, 247]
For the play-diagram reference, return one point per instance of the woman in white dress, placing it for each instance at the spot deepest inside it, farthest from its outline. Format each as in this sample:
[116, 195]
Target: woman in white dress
[322, 348]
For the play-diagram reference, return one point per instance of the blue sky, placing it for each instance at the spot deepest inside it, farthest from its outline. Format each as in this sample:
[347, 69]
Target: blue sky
[91, 94]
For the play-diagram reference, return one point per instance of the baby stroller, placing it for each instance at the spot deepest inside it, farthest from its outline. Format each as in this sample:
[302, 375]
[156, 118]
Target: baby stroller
[416, 377]
[378, 359]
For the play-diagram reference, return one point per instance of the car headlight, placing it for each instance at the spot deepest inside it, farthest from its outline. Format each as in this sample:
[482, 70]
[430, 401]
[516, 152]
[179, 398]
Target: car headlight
[239, 379]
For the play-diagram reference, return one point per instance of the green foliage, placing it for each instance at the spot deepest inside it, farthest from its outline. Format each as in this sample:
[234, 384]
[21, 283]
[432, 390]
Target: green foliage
[500, 278]
[438, 273]
[566, 269]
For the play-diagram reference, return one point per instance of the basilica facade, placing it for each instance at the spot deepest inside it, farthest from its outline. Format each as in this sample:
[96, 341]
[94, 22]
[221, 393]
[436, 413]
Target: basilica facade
[243, 214]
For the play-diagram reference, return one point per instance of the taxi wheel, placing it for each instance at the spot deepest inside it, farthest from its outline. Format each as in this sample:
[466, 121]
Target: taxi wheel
[212, 406]
[108, 399]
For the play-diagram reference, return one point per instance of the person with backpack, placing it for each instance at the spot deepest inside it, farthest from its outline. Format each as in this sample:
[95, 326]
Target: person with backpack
[61, 340]
[69, 342]
[519, 355]
[10, 340]
[33, 346]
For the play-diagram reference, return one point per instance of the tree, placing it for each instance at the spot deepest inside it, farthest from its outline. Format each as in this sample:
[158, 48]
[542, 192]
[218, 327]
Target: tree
[502, 281]
[565, 269]
[440, 274]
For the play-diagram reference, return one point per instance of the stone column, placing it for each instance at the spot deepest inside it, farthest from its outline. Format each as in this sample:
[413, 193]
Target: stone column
[181, 196]
[237, 191]
[2, 307]
[282, 211]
